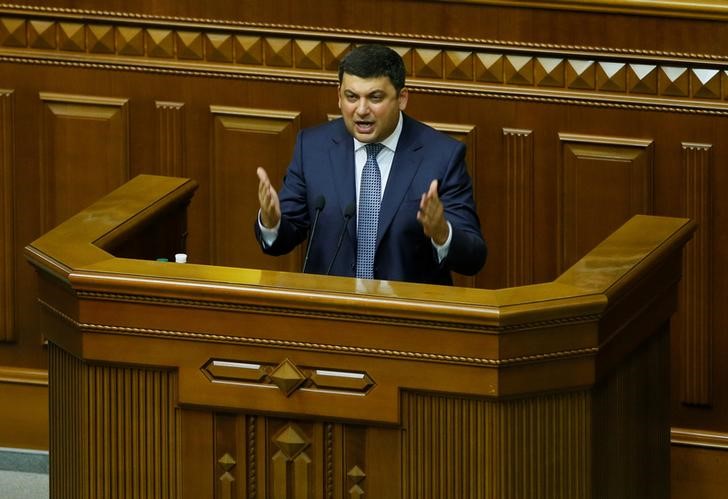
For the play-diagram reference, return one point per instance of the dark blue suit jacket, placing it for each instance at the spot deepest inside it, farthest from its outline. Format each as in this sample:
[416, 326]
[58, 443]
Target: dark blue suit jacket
[323, 165]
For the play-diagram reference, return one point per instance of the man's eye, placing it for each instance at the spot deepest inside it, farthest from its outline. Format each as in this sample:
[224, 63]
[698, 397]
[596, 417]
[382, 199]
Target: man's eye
[376, 98]
[351, 98]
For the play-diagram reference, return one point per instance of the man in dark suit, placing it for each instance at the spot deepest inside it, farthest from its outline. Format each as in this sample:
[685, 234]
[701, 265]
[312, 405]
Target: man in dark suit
[427, 224]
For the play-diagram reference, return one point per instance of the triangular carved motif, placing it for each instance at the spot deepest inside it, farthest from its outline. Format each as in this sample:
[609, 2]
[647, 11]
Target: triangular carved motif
[519, 70]
[643, 78]
[42, 34]
[219, 47]
[130, 40]
[72, 36]
[458, 65]
[706, 83]
[428, 63]
[227, 462]
[101, 39]
[309, 54]
[489, 68]
[356, 474]
[549, 72]
[12, 32]
[249, 49]
[333, 53]
[278, 52]
[160, 43]
[291, 441]
[580, 74]
[190, 45]
[612, 76]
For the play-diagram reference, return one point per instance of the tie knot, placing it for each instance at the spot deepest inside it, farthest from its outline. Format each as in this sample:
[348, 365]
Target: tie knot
[373, 150]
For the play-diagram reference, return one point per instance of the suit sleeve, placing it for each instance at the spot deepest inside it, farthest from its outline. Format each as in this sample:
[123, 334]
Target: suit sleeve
[294, 208]
[468, 250]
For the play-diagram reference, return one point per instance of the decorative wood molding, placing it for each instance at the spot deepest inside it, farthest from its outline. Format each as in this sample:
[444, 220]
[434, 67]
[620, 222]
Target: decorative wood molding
[7, 217]
[696, 338]
[518, 154]
[580, 75]
[78, 134]
[699, 438]
[697, 9]
[24, 376]
[617, 173]
[171, 134]
[251, 455]
[235, 132]
[319, 347]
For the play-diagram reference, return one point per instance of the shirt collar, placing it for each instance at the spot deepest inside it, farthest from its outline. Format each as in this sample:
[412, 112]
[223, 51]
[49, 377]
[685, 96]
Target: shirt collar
[390, 142]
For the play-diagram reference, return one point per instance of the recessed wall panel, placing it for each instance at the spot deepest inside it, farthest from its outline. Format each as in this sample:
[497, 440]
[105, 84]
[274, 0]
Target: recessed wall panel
[84, 152]
[7, 234]
[604, 181]
[243, 140]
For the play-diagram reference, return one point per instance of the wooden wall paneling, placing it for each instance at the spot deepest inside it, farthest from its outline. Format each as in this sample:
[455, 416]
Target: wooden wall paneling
[519, 225]
[694, 313]
[230, 455]
[171, 138]
[23, 407]
[196, 454]
[7, 217]
[84, 152]
[604, 181]
[243, 139]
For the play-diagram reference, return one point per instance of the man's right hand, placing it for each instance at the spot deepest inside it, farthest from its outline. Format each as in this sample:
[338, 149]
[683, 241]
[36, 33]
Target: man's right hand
[270, 206]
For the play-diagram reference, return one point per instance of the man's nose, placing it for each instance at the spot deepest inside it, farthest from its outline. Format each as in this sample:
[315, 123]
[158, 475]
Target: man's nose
[362, 107]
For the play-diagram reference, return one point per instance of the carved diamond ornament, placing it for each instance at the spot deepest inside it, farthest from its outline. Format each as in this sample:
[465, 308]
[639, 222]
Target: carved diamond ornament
[291, 441]
[287, 377]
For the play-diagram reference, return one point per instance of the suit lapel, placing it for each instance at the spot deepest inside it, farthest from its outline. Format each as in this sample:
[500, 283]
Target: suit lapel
[341, 165]
[407, 159]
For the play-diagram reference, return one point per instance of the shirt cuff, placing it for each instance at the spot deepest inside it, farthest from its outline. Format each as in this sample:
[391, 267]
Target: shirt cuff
[444, 249]
[269, 236]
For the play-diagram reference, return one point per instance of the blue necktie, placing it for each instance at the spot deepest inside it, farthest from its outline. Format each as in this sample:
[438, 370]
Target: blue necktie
[369, 200]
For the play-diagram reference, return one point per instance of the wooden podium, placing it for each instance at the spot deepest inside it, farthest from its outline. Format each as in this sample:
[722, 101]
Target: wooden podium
[196, 381]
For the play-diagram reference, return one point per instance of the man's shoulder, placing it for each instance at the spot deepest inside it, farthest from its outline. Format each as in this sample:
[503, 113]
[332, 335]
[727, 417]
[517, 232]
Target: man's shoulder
[332, 129]
[427, 134]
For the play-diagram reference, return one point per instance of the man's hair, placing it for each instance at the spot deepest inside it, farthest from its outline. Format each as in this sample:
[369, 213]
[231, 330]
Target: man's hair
[374, 61]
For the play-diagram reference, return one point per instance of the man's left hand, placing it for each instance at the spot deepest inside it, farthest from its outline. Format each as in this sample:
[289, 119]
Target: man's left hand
[432, 216]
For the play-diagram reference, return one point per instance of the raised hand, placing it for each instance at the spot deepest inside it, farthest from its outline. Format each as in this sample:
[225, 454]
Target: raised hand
[270, 206]
[432, 216]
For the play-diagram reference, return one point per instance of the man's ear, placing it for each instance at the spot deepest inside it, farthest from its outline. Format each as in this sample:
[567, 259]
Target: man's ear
[338, 95]
[403, 97]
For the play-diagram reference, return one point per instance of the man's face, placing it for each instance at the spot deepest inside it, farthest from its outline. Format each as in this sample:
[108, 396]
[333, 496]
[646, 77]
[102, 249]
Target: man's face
[370, 107]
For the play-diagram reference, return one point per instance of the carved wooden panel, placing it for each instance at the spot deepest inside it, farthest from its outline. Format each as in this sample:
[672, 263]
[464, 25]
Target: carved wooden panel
[7, 214]
[237, 135]
[200, 46]
[454, 436]
[697, 283]
[84, 152]
[133, 408]
[257, 456]
[603, 181]
[171, 142]
[519, 178]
